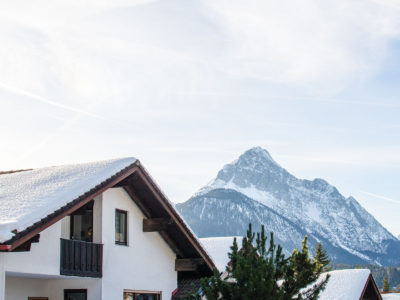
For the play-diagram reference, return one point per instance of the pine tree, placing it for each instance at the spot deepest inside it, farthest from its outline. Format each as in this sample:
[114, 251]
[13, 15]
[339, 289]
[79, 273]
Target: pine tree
[256, 271]
[386, 286]
[321, 259]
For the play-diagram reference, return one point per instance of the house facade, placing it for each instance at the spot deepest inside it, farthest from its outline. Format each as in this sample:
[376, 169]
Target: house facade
[93, 231]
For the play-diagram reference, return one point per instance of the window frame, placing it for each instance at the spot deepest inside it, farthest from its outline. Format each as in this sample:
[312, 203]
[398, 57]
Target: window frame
[78, 212]
[159, 293]
[75, 291]
[120, 211]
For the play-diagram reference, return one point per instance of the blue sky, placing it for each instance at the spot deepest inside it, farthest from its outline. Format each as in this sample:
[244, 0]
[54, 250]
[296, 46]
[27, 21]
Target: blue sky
[187, 86]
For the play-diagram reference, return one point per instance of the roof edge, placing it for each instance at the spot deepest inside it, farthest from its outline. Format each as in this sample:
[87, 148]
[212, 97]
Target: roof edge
[29, 232]
[14, 171]
[180, 222]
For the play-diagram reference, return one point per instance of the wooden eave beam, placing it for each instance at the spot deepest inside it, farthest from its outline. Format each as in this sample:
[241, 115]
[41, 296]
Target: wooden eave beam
[156, 224]
[141, 204]
[143, 175]
[188, 264]
[27, 245]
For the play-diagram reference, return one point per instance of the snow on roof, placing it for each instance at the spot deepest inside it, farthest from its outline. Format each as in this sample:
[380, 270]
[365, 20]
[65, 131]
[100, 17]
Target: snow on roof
[344, 284]
[27, 197]
[391, 296]
[218, 248]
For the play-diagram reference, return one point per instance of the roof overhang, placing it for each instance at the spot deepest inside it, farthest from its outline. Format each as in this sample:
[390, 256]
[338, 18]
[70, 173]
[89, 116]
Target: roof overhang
[138, 183]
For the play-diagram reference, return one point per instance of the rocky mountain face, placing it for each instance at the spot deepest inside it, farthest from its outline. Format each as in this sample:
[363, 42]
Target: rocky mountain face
[256, 189]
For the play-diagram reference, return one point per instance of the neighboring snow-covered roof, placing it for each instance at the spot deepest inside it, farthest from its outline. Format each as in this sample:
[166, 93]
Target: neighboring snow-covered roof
[218, 248]
[27, 197]
[345, 284]
[391, 296]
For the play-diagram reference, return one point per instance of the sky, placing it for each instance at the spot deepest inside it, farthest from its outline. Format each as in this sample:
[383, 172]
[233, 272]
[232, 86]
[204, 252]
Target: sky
[187, 86]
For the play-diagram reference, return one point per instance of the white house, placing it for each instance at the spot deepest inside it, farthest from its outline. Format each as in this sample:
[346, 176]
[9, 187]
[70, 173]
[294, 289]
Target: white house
[100, 230]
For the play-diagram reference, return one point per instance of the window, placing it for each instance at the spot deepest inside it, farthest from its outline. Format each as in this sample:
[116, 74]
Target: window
[121, 227]
[82, 223]
[141, 295]
[75, 294]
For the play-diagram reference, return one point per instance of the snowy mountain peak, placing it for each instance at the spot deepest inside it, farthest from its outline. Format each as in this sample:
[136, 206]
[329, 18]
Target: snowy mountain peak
[256, 157]
[260, 153]
[321, 184]
[255, 168]
[254, 188]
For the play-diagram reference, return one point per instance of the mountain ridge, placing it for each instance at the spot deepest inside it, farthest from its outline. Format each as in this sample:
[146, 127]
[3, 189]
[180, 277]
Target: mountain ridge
[313, 206]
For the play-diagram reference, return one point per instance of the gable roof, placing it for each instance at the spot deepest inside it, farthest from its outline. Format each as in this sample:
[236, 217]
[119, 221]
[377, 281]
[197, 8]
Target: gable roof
[26, 197]
[349, 284]
[33, 200]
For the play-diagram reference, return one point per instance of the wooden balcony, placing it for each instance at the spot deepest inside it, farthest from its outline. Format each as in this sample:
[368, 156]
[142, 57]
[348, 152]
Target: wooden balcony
[80, 258]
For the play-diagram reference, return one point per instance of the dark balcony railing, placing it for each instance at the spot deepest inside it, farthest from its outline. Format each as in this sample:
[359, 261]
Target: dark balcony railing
[80, 258]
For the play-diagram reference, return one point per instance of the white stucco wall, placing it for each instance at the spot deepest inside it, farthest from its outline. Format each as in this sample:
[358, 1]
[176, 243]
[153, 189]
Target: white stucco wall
[55, 288]
[97, 219]
[22, 288]
[147, 263]
[44, 257]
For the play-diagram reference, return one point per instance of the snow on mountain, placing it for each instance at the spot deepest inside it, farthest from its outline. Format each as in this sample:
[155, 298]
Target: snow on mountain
[255, 188]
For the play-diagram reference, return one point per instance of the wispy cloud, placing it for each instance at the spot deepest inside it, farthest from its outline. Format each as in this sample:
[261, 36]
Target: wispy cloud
[47, 138]
[310, 44]
[354, 156]
[292, 98]
[270, 73]
[49, 102]
[381, 197]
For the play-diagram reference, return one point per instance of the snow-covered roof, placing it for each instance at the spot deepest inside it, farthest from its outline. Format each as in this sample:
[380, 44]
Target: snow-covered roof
[218, 248]
[391, 296]
[345, 284]
[27, 197]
